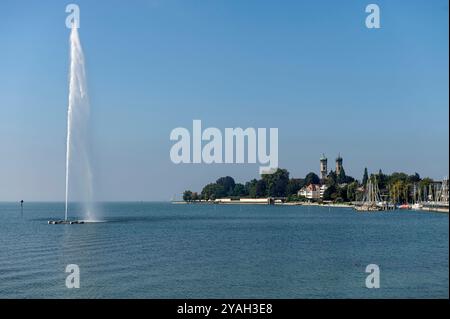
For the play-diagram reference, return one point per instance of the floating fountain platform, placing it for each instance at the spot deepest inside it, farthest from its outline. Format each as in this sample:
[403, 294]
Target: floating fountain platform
[70, 222]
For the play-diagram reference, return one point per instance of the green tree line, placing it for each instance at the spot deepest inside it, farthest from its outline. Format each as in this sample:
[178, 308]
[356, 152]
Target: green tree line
[340, 187]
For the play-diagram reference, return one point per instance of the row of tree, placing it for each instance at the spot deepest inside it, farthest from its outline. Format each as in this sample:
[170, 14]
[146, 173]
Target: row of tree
[277, 184]
[340, 187]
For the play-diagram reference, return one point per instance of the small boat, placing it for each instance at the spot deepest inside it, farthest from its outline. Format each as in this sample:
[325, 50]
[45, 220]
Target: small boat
[403, 206]
[417, 206]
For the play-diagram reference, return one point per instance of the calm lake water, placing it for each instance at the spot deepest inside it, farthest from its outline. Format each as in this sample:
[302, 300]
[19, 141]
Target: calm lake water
[161, 250]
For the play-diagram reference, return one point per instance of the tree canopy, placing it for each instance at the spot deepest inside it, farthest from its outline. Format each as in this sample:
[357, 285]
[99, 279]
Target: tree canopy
[312, 178]
[228, 184]
[276, 182]
[340, 187]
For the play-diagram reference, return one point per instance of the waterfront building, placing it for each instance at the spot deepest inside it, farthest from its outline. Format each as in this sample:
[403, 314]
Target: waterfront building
[312, 191]
[322, 190]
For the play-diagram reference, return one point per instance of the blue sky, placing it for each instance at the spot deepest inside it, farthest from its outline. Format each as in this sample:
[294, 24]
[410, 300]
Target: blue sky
[310, 68]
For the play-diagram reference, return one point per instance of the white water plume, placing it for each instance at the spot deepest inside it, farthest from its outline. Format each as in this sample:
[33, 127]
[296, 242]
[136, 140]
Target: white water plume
[78, 161]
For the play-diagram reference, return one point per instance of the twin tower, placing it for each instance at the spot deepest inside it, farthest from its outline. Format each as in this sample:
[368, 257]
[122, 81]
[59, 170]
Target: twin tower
[324, 166]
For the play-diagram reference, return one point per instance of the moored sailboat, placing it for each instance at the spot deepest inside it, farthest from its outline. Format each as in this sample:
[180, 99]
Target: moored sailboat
[372, 199]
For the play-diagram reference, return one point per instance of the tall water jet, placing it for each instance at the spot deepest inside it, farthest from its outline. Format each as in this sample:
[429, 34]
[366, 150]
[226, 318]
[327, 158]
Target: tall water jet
[78, 161]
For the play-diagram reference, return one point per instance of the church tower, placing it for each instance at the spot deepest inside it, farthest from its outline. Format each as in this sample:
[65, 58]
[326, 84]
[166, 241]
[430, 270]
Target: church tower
[338, 164]
[323, 167]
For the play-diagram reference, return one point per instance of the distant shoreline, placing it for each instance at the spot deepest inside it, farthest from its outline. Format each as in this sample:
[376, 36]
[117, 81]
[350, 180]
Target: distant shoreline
[334, 205]
[237, 202]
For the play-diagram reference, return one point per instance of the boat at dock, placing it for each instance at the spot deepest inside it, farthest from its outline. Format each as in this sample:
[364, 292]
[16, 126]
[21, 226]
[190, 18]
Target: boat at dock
[372, 200]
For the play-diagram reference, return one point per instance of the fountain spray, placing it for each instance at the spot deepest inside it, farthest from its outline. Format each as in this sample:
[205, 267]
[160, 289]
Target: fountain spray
[78, 165]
